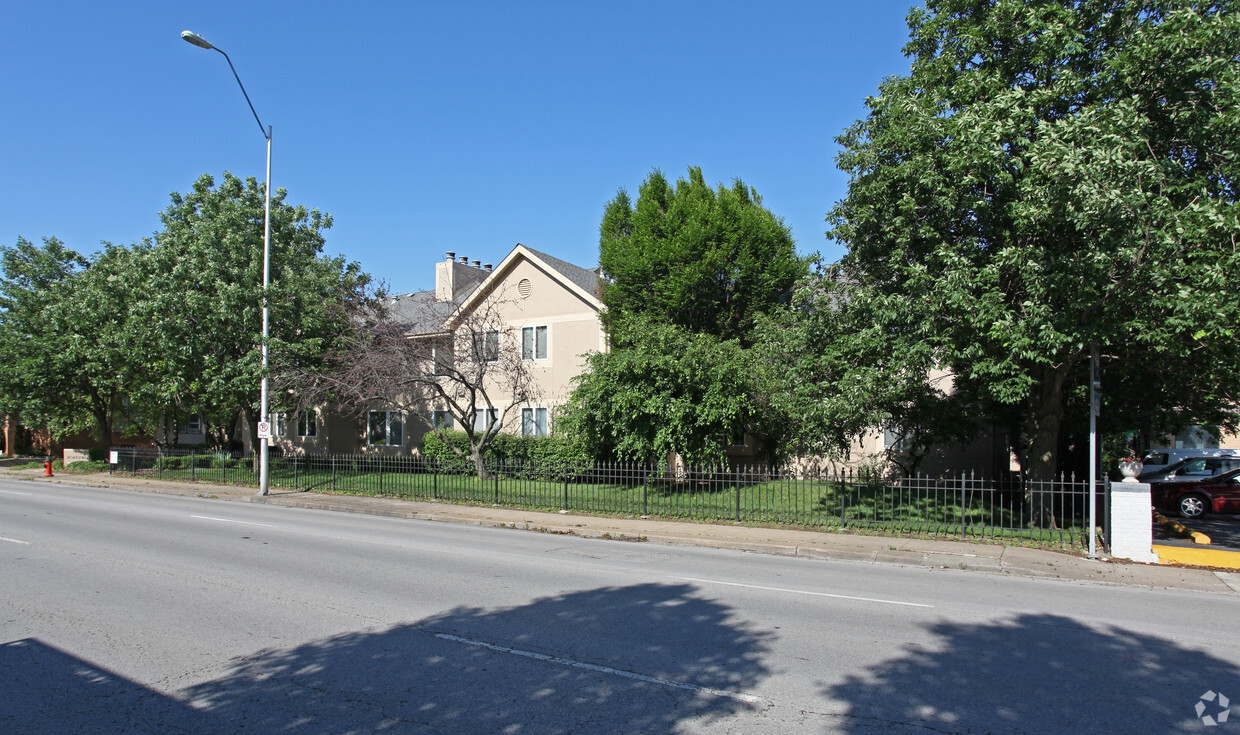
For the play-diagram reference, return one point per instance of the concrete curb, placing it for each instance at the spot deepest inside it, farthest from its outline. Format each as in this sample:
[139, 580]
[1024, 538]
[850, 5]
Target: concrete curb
[934, 554]
[1180, 529]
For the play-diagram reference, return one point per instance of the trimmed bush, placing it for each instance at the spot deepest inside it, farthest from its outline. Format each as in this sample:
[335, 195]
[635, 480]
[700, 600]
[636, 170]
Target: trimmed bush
[506, 449]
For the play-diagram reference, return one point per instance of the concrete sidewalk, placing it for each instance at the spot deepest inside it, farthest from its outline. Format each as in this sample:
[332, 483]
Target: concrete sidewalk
[988, 557]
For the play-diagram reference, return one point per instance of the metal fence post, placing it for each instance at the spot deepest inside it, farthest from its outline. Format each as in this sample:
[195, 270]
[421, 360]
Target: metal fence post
[736, 477]
[333, 473]
[843, 483]
[645, 493]
[961, 511]
[435, 478]
[496, 481]
[564, 468]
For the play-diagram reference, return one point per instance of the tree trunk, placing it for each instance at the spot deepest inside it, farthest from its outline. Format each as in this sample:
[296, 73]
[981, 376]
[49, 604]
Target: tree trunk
[103, 428]
[1042, 429]
[480, 465]
[250, 417]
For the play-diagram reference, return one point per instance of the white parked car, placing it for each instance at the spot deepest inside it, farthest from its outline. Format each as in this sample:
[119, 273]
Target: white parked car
[1156, 460]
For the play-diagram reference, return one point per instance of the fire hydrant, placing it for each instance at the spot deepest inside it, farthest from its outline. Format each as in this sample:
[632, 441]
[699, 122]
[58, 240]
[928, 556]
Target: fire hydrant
[47, 468]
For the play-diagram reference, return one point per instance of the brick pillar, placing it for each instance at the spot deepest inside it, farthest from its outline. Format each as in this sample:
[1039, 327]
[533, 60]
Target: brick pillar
[1131, 522]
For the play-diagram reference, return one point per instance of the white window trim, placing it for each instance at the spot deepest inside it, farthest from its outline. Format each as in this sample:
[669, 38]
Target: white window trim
[387, 428]
[312, 422]
[480, 412]
[473, 347]
[441, 366]
[193, 425]
[533, 328]
[533, 410]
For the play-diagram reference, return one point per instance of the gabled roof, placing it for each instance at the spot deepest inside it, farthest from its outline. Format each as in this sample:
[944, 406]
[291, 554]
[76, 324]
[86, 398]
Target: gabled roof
[586, 278]
[583, 282]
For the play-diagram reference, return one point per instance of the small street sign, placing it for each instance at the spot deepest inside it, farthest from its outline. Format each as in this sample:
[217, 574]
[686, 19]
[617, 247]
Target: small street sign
[264, 430]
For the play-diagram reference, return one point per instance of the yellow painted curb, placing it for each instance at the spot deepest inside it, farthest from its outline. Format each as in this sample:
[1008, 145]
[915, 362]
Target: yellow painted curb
[1198, 557]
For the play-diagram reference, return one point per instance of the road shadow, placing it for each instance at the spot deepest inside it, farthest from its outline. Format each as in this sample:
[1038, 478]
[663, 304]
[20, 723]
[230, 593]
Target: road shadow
[642, 658]
[556, 665]
[1037, 674]
[47, 690]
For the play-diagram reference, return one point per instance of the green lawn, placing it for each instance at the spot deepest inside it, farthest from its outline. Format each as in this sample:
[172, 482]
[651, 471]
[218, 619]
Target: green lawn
[805, 503]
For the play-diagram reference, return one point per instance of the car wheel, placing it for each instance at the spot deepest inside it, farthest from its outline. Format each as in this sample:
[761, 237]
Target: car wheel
[1193, 505]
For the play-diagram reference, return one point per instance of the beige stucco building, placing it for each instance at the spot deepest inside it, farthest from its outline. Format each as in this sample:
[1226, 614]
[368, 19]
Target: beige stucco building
[543, 309]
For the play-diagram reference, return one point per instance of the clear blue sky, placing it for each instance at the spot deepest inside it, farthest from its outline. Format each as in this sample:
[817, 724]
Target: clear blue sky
[430, 126]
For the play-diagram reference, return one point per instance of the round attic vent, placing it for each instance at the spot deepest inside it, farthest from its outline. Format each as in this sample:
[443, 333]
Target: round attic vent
[525, 288]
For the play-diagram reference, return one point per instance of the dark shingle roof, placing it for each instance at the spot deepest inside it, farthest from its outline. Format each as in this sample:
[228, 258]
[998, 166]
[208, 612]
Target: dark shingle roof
[586, 278]
[420, 311]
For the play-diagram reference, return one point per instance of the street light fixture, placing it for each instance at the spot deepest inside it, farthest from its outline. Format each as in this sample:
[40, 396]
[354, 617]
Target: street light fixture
[264, 454]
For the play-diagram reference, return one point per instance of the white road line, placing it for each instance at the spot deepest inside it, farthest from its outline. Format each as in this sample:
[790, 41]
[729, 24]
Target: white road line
[13, 492]
[14, 541]
[803, 592]
[229, 520]
[751, 699]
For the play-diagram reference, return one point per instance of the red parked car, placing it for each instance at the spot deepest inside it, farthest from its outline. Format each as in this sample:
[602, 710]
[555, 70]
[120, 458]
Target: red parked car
[1195, 498]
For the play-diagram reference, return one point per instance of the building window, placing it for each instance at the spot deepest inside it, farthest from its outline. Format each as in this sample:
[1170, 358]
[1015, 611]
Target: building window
[307, 423]
[484, 417]
[484, 346]
[1196, 437]
[441, 419]
[442, 358]
[737, 436]
[895, 439]
[533, 422]
[277, 423]
[534, 343]
[193, 424]
[385, 429]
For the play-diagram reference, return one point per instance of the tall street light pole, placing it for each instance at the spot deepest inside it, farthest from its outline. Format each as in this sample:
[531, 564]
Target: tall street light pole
[264, 442]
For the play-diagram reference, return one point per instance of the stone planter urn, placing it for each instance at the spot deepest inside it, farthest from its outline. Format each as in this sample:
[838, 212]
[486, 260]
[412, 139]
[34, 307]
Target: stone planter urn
[1130, 468]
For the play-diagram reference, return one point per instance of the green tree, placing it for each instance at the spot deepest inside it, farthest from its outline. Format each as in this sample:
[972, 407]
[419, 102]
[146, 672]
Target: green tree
[64, 339]
[689, 272]
[1049, 174]
[202, 306]
[667, 390]
[707, 260]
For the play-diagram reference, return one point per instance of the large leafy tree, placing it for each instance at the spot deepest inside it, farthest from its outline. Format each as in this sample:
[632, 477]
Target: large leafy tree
[689, 272]
[1050, 174]
[171, 326]
[65, 336]
[708, 260]
[667, 390]
[203, 302]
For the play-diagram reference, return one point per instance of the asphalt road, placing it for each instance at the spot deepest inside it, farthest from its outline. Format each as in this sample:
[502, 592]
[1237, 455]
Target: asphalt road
[126, 612]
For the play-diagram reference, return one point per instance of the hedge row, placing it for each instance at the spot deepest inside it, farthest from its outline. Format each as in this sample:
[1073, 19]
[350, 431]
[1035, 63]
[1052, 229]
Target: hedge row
[507, 448]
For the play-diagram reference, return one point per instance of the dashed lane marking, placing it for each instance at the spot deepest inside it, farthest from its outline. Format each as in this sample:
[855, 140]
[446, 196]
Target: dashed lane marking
[804, 592]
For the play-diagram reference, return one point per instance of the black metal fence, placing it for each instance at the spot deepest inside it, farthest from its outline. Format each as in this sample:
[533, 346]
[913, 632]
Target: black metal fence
[961, 506]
